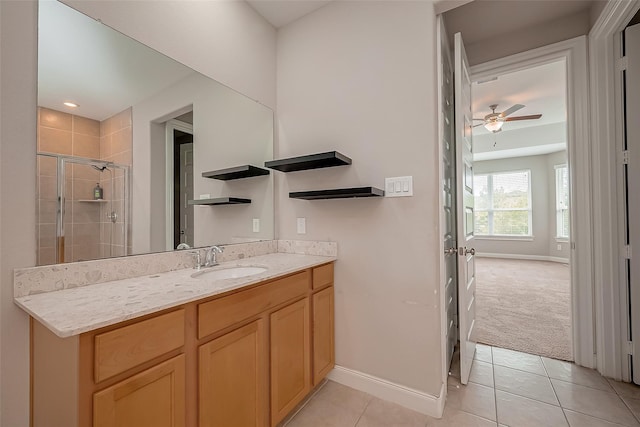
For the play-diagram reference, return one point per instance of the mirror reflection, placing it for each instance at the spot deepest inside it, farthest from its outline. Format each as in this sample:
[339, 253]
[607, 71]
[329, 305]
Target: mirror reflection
[125, 135]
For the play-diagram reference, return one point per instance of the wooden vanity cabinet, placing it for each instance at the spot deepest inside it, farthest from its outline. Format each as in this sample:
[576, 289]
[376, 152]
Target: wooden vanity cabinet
[245, 358]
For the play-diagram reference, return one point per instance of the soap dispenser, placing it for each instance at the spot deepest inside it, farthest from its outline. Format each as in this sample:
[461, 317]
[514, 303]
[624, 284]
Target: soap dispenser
[97, 192]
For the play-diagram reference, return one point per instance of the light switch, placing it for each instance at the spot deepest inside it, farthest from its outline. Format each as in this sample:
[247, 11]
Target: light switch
[205, 196]
[256, 225]
[401, 186]
[302, 225]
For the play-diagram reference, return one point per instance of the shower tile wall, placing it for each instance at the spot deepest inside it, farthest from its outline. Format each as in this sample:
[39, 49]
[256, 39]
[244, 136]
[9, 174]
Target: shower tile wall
[85, 221]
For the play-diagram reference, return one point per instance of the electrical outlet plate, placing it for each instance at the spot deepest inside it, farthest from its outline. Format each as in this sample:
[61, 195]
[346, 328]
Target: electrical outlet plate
[256, 225]
[302, 225]
[400, 186]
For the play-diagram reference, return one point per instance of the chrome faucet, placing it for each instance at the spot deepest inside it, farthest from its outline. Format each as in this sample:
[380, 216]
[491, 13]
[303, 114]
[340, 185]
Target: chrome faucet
[210, 259]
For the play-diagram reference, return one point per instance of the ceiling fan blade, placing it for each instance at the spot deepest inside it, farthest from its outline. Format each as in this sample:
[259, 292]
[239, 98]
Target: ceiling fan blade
[480, 124]
[531, 117]
[511, 110]
[479, 119]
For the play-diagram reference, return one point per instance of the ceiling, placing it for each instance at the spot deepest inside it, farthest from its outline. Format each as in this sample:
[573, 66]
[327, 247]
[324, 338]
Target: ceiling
[542, 89]
[500, 17]
[73, 65]
[282, 12]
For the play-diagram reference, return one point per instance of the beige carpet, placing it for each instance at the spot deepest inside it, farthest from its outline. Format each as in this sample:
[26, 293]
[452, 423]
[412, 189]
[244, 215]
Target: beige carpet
[524, 306]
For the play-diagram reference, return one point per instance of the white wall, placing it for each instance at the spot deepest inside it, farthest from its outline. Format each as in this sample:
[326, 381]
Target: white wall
[225, 40]
[229, 130]
[543, 202]
[360, 78]
[17, 198]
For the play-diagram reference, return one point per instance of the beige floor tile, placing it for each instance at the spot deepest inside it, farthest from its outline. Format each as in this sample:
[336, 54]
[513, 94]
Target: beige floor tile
[323, 413]
[597, 403]
[481, 373]
[525, 384]
[633, 404]
[343, 396]
[573, 373]
[625, 389]
[483, 353]
[473, 398]
[517, 360]
[576, 419]
[380, 413]
[457, 418]
[519, 411]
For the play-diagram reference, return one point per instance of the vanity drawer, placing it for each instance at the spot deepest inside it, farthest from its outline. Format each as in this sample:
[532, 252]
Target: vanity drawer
[322, 276]
[223, 312]
[129, 346]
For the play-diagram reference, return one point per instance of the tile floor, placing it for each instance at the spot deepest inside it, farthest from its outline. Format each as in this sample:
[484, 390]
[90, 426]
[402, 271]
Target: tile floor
[506, 388]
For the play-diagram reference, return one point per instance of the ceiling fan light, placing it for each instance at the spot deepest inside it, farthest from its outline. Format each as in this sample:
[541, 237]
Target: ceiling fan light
[494, 126]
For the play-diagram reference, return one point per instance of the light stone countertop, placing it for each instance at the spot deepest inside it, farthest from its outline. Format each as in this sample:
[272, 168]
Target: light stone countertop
[73, 311]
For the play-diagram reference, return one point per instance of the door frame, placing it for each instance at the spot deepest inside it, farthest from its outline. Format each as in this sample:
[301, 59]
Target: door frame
[611, 297]
[170, 126]
[574, 53]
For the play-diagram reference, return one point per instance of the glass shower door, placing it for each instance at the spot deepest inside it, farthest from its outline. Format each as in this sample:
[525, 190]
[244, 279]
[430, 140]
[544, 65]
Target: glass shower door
[83, 209]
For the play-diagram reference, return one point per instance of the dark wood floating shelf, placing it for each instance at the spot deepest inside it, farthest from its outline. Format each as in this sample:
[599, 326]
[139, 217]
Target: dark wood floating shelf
[312, 161]
[338, 193]
[220, 201]
[238, 172]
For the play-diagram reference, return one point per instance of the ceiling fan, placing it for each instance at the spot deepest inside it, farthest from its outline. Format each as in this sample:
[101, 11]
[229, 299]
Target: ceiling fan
[494, 121]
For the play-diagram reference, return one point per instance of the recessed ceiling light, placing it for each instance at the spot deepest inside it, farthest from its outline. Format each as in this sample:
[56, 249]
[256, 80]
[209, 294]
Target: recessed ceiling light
[71, 104]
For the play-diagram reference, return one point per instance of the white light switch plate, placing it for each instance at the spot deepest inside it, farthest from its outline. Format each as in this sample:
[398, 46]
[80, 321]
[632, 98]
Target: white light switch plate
[205, 196]
[256, 225]
[400, 186]
[302, 225]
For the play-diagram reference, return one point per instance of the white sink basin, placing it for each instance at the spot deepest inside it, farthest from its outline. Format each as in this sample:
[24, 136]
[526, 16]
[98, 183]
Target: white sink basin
[228, 273]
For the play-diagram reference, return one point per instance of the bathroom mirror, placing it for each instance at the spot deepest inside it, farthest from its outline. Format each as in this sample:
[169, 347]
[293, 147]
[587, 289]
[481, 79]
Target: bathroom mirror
[120, 172]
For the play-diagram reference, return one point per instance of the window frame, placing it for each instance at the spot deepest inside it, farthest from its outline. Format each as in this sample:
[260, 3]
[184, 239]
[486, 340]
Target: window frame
[559, 215]
[491, 209]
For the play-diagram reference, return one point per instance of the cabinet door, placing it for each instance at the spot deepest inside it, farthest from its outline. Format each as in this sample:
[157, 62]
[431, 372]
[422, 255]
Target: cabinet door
[152, 398]
[290, 358]
[323, 335]
[233, 379]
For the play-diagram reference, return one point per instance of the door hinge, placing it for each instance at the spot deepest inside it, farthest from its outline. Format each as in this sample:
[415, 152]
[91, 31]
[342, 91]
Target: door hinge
[626, 252]
[622, 63]
[630, 348]
[625, 157]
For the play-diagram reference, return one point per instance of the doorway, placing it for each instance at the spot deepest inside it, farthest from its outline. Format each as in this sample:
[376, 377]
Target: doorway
[573, 53]
[522, 201]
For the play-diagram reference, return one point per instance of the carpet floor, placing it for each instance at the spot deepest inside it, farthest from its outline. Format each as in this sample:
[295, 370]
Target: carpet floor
[524, 306]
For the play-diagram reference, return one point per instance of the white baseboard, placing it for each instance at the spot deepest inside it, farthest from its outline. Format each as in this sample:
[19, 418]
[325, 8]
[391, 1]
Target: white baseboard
[525, 257]
[409, 398]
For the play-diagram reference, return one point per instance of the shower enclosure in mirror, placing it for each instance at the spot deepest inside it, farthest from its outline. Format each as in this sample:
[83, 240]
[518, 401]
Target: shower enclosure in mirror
[83, 209]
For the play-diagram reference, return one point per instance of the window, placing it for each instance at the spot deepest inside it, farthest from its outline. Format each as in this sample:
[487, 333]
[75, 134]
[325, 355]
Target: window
[503, 204]
[562, 202]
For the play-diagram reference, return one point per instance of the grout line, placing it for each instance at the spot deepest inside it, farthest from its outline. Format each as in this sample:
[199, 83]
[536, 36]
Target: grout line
[363, 411]
[495, 393]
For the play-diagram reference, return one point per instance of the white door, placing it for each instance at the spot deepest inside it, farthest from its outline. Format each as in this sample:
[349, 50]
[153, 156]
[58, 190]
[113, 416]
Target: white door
[632, 100]
[445, 81]
[186, 193]
[464, 185]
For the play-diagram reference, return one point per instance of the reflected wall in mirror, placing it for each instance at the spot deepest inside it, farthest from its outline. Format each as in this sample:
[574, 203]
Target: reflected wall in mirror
[117, 171]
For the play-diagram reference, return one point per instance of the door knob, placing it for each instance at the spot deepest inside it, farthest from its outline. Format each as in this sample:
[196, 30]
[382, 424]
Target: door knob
[471, 251]
[450, 251]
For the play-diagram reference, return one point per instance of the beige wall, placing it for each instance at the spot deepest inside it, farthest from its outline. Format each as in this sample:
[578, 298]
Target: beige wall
[225, 40]
[359, 78]
[18, 57]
